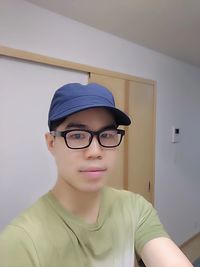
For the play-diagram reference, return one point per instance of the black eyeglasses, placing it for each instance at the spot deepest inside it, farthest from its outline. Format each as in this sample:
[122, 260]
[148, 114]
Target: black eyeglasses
[78, 139]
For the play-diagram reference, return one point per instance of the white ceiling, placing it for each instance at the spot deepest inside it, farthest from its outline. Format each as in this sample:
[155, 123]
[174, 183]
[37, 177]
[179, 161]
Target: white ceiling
[171, 27]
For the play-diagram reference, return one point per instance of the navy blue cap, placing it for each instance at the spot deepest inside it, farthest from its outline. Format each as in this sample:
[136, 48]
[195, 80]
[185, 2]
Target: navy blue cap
[75, 97]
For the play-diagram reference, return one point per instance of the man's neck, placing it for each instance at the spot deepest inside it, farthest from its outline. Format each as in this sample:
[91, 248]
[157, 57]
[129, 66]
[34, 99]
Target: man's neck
[82, 204]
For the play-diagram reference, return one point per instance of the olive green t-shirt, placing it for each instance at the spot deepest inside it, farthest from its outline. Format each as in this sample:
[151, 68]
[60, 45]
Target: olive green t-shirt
[46, 235]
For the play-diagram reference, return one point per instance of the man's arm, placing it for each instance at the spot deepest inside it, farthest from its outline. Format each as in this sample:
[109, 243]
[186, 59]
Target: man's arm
[163, 252]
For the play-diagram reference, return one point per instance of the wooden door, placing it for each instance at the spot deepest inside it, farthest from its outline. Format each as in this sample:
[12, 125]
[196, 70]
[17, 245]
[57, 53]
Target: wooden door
[141, 139]
[135, 168]
[116, 86]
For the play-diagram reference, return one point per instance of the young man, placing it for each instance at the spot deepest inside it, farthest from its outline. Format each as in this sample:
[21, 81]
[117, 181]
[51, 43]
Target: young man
[81, 222]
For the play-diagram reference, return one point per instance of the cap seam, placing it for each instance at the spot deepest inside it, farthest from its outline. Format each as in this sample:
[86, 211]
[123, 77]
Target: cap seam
[85, 108]
[112, 102]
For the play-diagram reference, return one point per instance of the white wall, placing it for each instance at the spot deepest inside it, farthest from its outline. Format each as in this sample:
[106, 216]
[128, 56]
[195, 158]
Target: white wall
[27, 170]
[27, 27]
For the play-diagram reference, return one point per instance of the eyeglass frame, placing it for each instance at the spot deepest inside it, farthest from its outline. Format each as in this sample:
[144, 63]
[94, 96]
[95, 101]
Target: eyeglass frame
[92, 133]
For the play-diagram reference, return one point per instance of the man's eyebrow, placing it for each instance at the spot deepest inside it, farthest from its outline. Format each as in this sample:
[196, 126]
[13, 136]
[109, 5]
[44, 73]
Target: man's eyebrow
[76, 125]
[84, 126]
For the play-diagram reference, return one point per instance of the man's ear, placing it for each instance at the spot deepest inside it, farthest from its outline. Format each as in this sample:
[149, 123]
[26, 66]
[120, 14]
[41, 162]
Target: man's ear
[50, 142]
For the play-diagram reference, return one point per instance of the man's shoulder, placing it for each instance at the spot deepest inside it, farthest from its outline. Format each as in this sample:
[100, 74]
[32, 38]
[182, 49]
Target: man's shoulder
[124, 197]
[30, 236]
[32, 219]
[122, 193]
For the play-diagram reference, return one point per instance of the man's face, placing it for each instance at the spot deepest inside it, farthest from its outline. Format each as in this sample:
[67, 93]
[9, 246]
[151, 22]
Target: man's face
[84, 169]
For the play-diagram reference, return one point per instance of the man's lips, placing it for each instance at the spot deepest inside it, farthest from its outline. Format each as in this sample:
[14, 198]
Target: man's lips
[93, 172]
[93, 169]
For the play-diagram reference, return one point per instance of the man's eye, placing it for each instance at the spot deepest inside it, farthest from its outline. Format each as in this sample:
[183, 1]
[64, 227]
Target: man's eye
[108, 135]
[105, 135]
[76, 136]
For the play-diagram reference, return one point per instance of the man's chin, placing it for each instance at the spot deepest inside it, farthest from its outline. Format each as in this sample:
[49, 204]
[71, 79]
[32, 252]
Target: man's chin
[93, 187]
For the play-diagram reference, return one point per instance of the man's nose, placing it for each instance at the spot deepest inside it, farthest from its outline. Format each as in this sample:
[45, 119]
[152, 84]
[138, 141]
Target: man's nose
[94, 150]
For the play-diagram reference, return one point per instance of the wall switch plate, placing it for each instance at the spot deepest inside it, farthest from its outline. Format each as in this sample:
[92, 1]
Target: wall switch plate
[175, 135]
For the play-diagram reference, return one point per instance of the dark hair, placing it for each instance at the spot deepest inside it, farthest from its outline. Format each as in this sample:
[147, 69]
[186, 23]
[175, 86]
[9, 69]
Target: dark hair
[54, 124]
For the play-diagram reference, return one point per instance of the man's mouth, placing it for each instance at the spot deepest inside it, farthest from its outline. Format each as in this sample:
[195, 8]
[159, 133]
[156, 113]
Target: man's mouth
[93, 172]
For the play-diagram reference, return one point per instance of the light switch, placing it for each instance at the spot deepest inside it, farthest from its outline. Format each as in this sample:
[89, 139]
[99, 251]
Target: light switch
[175, 135]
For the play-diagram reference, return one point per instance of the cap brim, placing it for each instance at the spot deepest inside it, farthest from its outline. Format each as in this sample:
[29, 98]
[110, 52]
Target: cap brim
[120, 117]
